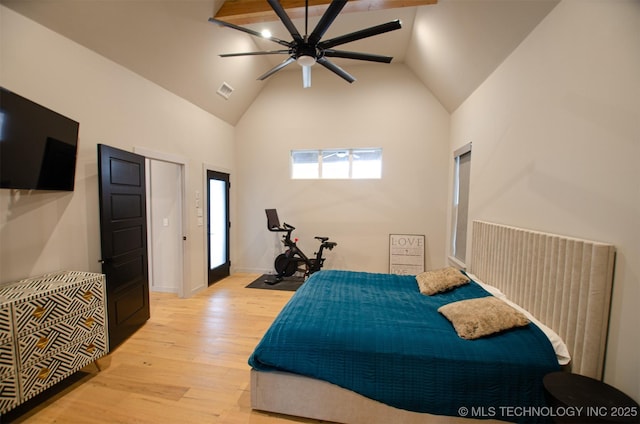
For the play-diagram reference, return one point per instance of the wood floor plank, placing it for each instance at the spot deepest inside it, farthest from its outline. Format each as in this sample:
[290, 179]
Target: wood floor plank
[187, 364]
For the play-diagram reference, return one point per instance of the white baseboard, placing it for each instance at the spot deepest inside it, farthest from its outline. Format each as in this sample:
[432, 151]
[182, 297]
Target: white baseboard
[254, 270]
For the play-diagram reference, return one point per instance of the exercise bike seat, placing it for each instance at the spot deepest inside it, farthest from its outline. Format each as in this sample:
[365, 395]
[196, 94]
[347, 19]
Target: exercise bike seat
[322, 239]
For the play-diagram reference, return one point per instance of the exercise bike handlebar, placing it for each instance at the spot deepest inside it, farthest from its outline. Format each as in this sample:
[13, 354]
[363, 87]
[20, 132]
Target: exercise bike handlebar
[285, 228]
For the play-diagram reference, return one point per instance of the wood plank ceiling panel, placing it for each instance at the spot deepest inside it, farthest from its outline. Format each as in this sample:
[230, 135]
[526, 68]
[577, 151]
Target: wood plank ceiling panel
[242, 12]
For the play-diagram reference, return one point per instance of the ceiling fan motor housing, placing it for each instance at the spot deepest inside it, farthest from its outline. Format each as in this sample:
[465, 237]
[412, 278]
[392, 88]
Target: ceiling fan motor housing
[305, 54]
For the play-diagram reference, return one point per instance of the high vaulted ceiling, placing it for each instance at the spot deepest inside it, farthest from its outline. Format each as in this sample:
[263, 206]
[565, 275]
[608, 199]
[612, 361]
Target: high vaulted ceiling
[452, 46]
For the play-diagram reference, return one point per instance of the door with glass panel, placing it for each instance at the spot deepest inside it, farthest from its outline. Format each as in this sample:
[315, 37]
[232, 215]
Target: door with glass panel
[218, 225]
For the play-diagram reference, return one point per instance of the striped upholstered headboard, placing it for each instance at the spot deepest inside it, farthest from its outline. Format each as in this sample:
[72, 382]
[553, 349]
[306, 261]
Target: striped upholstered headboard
[564, 282]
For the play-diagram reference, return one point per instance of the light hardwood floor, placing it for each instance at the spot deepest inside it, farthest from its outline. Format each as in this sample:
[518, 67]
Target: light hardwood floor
[188, 364]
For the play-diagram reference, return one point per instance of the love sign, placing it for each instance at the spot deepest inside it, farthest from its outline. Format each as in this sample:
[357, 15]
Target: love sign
[406, 254]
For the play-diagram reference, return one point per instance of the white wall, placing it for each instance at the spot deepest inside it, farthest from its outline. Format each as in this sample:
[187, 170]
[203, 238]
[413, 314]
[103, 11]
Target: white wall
[556, 139]
[387, 107]
[43, 231]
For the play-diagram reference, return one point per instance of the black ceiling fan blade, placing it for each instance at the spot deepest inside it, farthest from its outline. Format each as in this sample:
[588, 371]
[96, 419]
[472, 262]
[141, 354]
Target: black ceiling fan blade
[336, 69]
[327, 19]
[256, 53]
[277, 7]
[276, 68]
[358, 35]
[358, 56]
[250, 31]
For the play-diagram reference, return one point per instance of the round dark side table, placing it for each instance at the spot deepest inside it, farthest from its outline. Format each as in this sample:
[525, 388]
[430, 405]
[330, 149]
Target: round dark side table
[574, 398]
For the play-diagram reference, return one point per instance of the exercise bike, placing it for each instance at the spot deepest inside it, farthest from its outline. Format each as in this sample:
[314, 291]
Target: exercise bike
[293, 259]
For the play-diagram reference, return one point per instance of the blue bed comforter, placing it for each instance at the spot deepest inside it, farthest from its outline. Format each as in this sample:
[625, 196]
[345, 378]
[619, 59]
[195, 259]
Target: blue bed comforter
[377, 335]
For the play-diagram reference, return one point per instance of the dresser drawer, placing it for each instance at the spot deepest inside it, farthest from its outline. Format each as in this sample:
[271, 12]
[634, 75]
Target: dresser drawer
[49, 371]
[5, 323]
[40, 311]
[7, 364]
[8, 392]
[34, 346]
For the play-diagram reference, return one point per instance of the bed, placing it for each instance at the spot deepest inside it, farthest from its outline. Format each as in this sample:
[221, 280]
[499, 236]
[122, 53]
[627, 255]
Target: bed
[359, 347]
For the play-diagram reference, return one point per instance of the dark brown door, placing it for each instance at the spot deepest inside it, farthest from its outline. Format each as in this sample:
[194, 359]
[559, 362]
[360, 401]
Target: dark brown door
[123, 232]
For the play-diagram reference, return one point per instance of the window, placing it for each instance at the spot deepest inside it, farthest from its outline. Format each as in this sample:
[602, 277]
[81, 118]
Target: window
[367, 163]
[336, 164]
[460, 206]
[305, 164]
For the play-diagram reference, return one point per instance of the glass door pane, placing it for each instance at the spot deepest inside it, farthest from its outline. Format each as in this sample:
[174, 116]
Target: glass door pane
[218, 225]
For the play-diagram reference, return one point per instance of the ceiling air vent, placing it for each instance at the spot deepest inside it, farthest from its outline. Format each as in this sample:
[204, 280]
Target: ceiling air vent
[225, 90]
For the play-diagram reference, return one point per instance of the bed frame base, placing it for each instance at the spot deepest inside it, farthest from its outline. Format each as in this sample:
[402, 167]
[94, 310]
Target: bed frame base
[292, 394]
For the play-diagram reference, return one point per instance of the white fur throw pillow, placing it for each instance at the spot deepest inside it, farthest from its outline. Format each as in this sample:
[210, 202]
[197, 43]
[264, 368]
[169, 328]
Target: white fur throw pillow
[474, 318]
[440, 280]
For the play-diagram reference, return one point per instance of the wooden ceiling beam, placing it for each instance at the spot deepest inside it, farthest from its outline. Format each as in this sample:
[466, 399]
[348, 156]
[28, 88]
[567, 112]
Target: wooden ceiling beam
[242, 12]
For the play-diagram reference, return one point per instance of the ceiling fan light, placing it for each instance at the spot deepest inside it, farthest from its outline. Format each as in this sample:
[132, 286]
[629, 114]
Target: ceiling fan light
[306, 76]
[306, 60]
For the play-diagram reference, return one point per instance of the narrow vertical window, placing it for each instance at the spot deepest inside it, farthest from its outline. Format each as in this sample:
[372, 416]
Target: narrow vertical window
[460, 204]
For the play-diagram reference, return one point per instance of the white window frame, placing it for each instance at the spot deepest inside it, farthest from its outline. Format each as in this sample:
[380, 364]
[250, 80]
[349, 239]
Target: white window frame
[320, 154]
[460, 207]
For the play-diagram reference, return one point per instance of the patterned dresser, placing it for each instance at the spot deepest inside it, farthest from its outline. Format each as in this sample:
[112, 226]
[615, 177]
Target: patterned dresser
[50, 327]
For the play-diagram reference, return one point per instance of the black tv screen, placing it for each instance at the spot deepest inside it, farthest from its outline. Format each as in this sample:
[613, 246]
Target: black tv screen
[38, 146]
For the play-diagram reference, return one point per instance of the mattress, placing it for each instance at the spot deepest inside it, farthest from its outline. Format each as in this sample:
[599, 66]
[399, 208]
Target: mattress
[377, 335]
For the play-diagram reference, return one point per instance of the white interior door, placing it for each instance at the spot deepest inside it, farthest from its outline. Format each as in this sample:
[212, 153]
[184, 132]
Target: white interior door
[166, 226]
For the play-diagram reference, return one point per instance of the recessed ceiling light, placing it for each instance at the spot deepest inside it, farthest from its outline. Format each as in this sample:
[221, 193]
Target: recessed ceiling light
[265, 33]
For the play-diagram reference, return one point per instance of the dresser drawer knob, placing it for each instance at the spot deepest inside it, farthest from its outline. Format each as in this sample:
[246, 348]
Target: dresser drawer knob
[42, 343]
[91, 348]
[89, 322]
[38, 312]
[88, 295]
[44, 373]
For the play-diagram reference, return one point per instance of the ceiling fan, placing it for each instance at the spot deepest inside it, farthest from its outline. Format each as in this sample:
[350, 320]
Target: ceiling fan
[308, 50]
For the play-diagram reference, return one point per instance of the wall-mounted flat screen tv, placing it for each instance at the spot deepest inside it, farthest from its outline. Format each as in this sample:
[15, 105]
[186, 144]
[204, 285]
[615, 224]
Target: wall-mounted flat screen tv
[38, 146]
